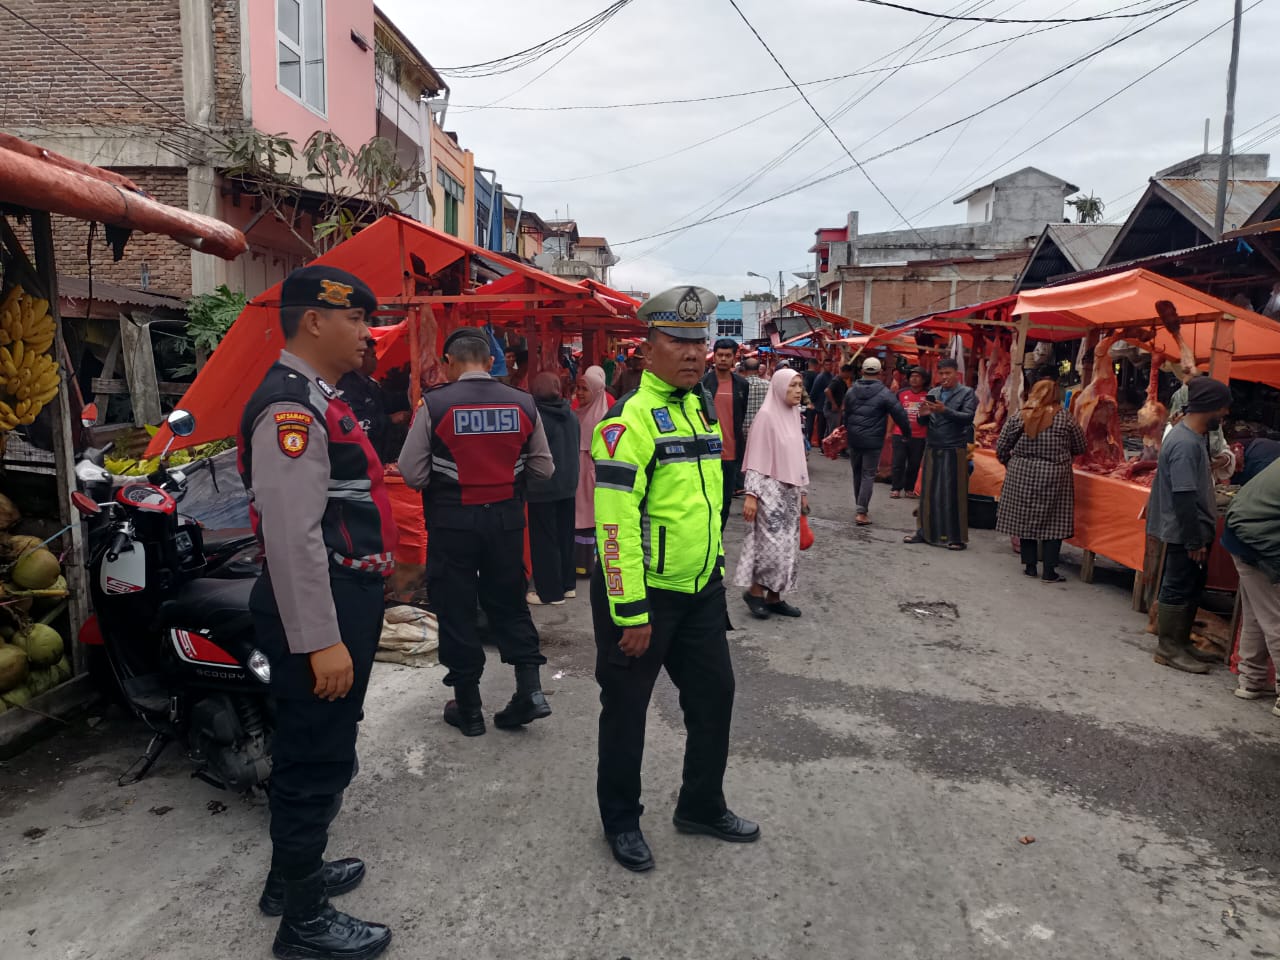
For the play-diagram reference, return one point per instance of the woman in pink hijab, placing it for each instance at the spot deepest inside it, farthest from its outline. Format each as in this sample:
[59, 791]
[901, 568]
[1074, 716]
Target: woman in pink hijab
[593, 404]
[776, 479]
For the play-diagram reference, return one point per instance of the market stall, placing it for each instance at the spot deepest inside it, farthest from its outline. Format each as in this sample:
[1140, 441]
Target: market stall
[45, 600]
[1188, 331]
[421, 279]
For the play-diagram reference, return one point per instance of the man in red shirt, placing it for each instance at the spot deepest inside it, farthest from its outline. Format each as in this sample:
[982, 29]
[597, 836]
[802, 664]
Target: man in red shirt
[728, 392]
[909, 450]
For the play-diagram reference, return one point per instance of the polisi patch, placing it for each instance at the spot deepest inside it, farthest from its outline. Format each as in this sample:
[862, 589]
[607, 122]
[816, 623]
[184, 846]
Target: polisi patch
[662, 417]
[611, 433]
[293, 439]
[469, 421]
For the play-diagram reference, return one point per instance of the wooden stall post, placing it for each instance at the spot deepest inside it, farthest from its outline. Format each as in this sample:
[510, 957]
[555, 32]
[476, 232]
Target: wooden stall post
[1013, 385]
[63, 448]
[140, 370]
[412, 319]
[1224, 345]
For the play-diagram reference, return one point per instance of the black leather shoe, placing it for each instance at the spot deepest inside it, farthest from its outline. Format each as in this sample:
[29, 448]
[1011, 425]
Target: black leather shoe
[631, 850]
[784, 609]
[728, 826]
[330, 935]
[523, 708]
[759, 609]
[340, 876]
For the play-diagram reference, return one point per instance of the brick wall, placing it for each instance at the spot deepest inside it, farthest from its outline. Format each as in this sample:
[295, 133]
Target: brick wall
[130, 40]
[167, 261]
[902, 292]
[228, 77]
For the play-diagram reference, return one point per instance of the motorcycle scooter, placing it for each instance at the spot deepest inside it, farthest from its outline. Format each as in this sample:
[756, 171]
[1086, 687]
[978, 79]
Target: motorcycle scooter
[179, 639]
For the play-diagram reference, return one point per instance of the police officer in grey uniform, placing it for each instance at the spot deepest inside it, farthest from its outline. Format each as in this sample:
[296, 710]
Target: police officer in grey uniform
[322, 515]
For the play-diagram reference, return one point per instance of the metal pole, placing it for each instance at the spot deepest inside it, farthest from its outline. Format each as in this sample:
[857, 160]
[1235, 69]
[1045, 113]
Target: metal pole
[1228, 120]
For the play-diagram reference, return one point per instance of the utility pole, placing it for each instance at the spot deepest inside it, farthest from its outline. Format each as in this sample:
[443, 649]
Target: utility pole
[1224, 166]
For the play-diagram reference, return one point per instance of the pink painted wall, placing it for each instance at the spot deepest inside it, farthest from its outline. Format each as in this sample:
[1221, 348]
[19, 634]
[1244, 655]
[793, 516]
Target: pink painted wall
[350, 108]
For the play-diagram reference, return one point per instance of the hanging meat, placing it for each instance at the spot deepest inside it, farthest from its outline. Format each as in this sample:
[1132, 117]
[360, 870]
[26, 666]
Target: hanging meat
[1097, 412]
[1186, 356]
[993, 406]
[1153, 414]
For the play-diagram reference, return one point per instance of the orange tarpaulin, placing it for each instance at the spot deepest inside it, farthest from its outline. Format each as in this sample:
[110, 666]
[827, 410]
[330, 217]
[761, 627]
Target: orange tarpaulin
[1109, 518]
[1128, 299]
[395, 256]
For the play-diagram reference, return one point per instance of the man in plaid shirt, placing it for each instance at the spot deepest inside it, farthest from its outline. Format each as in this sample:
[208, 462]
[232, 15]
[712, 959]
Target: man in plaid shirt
[758, 386]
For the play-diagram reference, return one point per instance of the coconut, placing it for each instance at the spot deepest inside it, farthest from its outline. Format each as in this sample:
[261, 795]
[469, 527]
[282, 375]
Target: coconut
[17, 696]
[42, 643]
[42, 681]
[62, 670]
[36, 570]
[9, 515]
[18, 544]
[13, 667]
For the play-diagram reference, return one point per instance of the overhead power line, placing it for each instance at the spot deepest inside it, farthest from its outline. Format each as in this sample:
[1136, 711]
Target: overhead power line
[1113, 15]
[529, 55]
[801, 187]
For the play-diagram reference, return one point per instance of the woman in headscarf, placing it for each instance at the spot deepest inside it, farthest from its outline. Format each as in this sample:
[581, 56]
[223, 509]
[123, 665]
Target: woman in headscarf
[593, 404]
[1037, 503]
[776, 478]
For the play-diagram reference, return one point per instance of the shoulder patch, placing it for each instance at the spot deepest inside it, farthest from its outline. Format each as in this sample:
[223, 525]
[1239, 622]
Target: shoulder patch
[327, 390]
[662, 417]
[293, 435]
[294, 416]
[611, 433]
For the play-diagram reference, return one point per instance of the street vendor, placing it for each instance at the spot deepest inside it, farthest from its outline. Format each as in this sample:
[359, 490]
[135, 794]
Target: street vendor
[321, 513]
[658, 594]
[471, 447]
[1182, 512]
[947, 413]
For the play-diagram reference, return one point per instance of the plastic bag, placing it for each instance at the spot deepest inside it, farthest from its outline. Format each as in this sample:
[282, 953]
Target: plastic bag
[806, 533]
[835, 442]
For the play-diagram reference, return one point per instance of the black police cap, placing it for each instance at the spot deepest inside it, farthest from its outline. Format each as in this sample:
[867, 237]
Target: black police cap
[326, 288]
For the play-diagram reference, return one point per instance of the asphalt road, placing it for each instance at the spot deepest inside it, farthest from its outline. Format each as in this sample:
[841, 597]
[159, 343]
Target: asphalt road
[928, 711]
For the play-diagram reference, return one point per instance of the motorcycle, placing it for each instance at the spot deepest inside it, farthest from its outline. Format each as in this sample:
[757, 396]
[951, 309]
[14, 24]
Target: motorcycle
[172, 615]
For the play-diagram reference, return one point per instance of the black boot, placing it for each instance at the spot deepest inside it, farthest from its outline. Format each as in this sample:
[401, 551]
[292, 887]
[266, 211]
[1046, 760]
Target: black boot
[1174, 622]
[1030, 557]
[311, 928]
[464, 710]
[340, 876]
[528, 704]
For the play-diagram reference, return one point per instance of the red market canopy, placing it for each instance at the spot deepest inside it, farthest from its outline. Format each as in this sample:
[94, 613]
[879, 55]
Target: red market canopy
[826, 316]
[409, 267]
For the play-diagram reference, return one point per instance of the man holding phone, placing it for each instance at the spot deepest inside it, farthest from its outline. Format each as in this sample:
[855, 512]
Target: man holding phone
[947, 414]
[1183, 512]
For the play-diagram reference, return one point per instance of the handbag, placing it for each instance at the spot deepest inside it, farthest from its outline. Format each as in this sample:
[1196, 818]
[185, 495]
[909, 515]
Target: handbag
[806, 533]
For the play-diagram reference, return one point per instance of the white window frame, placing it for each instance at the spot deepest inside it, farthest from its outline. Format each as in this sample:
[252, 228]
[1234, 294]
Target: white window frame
[300, 49]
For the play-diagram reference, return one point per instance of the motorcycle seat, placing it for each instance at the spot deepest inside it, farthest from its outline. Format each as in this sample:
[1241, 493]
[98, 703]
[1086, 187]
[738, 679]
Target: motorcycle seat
[212, 605]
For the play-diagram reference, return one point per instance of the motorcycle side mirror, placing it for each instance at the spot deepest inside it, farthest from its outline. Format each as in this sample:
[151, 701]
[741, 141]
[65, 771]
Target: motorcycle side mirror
[182, 423]
[85, 506]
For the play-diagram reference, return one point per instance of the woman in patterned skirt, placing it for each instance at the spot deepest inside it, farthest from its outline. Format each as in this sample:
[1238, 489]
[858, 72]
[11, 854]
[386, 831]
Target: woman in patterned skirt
[775, 478]
[1037, 503]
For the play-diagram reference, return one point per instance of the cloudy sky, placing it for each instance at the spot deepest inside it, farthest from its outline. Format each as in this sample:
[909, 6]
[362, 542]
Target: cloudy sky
[631, 172]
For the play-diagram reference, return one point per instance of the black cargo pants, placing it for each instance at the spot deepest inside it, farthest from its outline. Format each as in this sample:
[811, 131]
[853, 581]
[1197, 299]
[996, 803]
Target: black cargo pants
[313, 749]
[689, 641]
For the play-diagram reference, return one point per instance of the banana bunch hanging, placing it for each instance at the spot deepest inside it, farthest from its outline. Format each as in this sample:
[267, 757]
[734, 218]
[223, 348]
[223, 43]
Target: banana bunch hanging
[29, 377]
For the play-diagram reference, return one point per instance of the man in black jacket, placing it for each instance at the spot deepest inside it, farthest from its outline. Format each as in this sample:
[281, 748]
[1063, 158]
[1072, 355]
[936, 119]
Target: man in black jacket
[868, 404]
[947, 414]
[728, 393]
[551, 501]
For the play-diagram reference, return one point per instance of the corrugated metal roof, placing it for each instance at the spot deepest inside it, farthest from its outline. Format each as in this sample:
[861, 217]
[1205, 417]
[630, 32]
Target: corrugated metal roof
[1083, 244]
[75, 288]
[1200, 197]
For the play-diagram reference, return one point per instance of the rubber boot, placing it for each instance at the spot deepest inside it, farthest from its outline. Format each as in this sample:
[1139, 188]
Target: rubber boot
[1173, 649]
[464, 711]
[527, 705]
[311, 928]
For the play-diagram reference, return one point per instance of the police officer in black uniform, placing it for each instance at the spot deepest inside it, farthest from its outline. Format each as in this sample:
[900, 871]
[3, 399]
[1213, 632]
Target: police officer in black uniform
[322, 514]
[471, 445]
[365, 397]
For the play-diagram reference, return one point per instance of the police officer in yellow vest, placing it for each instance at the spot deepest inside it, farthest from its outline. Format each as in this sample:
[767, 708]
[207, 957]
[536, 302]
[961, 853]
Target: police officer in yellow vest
[657, 595]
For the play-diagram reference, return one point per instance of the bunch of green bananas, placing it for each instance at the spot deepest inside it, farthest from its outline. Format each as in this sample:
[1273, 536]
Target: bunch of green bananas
[29, 377]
